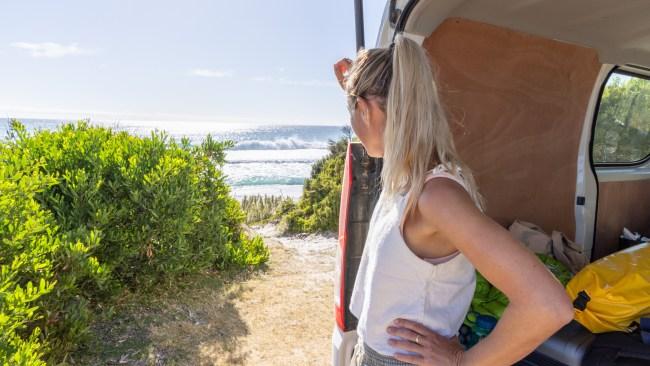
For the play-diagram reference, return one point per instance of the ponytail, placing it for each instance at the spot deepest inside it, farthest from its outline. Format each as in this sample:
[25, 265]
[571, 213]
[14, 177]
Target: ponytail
[417, 135]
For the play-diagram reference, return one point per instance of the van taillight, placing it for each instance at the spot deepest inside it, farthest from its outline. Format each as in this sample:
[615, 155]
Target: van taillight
[339, 271]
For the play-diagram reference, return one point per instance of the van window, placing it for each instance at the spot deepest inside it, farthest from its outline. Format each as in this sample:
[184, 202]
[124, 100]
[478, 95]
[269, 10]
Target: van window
[622, 132]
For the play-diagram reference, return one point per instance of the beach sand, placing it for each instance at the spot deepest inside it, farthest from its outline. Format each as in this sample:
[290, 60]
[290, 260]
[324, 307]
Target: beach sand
[289, 309]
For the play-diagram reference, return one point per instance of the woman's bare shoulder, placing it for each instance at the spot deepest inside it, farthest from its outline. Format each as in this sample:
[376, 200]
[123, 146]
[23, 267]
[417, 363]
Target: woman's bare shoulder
[442, 196]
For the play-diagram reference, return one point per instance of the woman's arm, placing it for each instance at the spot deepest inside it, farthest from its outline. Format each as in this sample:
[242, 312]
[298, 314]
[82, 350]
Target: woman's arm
[539, 304]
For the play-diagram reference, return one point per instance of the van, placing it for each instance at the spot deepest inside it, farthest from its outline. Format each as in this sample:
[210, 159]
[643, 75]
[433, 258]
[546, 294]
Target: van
[549, 103]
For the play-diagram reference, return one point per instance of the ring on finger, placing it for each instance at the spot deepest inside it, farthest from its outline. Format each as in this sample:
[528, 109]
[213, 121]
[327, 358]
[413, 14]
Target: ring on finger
[417, 339]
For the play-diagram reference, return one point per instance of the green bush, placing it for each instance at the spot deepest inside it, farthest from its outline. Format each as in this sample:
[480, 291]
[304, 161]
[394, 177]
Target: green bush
[318, 207]
[25, 263]
[248, 251]
[43, 273]
[86, 211]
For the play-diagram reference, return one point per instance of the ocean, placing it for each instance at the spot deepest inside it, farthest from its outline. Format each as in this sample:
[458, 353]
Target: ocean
[267, 159]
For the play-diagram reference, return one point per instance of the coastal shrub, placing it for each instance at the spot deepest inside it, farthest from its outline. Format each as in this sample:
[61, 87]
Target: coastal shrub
[248, 251]
[318, 207]
[27, 244]
[43, 273]
[86, 211]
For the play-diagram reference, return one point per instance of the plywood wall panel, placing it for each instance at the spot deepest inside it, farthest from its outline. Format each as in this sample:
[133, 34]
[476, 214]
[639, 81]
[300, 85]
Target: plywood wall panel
[621, 204]
[516, 104]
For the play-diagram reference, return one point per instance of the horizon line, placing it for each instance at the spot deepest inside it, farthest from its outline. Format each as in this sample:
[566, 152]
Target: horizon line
[171, 121]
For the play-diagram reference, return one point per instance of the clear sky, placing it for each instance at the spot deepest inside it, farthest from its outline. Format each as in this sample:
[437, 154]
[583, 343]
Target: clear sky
[201, 60]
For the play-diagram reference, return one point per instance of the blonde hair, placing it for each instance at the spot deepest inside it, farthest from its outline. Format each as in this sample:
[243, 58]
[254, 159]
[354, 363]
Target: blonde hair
[417, 134]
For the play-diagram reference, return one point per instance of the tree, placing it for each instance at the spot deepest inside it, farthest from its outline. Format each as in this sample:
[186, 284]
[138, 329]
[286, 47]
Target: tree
[623, 122]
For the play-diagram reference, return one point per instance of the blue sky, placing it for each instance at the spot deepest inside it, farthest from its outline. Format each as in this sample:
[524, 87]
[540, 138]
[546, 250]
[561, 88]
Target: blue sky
[193, 60]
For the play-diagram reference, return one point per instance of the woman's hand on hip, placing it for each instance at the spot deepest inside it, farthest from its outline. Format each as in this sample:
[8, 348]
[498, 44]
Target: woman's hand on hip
[432, 349]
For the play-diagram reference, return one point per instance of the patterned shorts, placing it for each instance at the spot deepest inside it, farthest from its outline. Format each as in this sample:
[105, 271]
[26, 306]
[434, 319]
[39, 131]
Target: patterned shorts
[363, 355]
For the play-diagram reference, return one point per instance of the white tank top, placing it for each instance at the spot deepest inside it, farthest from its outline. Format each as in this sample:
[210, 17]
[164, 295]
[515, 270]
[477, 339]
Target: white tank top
[393, 282]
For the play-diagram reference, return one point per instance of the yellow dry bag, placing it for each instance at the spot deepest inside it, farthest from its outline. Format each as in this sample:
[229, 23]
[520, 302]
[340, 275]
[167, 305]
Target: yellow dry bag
[614, 291]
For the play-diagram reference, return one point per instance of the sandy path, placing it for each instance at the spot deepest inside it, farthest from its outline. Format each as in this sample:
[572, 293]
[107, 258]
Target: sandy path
[281, 315]
[288, 309]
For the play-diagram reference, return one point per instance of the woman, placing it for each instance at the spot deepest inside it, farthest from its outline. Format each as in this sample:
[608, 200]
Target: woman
[427, 236]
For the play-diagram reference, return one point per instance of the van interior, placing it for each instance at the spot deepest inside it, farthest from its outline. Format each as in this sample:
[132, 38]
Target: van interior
[522, 83]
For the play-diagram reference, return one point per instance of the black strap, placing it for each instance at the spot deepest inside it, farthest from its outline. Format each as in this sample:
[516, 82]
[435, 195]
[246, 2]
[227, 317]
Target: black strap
[581, 300]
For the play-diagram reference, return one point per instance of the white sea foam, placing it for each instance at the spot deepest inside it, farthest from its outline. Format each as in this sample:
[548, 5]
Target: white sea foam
[280, 144]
